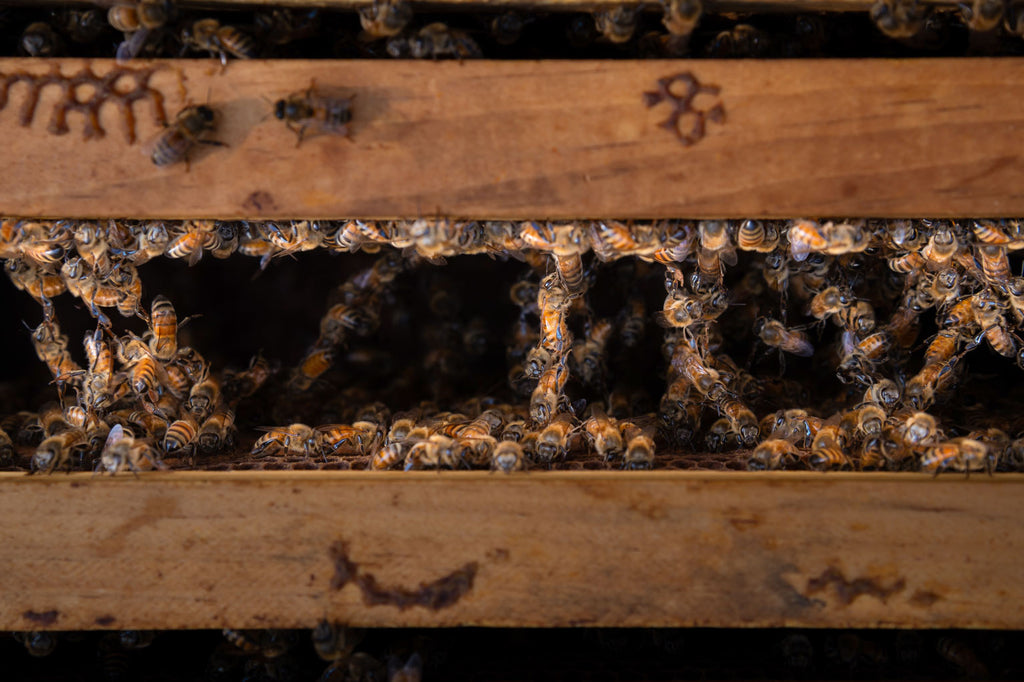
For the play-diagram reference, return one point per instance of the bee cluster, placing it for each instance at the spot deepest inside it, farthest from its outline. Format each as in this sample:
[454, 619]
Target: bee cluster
[831, 345]
[390, 28]
[338, 654]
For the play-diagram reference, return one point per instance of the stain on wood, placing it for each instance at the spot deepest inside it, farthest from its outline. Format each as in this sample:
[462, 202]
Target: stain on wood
[439, 594]
[847, 591]
[41, 618]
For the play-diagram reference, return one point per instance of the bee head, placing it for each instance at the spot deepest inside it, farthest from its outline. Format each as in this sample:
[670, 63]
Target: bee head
[206, 113]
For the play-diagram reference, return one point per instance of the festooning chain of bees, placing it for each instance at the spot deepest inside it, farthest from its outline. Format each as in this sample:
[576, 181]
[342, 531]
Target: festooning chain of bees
[863, 344]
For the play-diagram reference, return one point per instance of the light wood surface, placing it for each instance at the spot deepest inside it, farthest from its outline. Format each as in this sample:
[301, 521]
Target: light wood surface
[195, 550]
[544, 139]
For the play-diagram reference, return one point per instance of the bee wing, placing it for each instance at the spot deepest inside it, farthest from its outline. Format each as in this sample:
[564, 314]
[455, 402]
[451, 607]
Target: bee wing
[728, 256]
[132, 45]
[663, 320]
[117, 434]
[802, 347]
[799, 251]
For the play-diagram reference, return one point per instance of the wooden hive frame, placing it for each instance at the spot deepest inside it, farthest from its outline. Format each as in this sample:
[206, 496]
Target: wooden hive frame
[562, 140]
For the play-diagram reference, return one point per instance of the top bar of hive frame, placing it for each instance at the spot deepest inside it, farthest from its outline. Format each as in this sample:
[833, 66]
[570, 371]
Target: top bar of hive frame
[536, 140]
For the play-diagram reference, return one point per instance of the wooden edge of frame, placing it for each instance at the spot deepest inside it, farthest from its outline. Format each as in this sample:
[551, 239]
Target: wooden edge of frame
[526, 140]
[287, 549]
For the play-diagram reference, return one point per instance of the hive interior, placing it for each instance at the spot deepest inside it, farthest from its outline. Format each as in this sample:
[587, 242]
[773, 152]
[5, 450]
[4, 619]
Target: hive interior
[593, 344]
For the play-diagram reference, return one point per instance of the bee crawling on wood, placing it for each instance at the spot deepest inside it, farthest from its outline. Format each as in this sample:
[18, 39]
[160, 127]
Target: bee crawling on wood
[308, 109]
[187, 130]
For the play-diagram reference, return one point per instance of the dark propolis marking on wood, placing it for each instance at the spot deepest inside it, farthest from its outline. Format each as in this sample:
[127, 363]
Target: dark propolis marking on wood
[105, 620]
[435, 595]
[344, 568]
[848, 590]
[41, 617]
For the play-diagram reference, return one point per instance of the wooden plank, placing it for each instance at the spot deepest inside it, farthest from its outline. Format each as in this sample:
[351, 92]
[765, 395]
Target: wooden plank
[199, 550]
[517, 140]
[545, 139]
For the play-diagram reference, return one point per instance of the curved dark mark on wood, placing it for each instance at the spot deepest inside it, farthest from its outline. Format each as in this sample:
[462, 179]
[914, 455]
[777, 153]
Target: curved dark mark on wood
[104, 621]
[848, 590]
[259, 201]
[435, 595]
[682, 105]
[924, 598]
[104, 89]
[344, 568]
[41, 617]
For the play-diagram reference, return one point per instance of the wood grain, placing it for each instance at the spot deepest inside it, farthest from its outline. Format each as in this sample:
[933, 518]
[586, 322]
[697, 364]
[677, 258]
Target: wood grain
[547, 139]
[199, 550]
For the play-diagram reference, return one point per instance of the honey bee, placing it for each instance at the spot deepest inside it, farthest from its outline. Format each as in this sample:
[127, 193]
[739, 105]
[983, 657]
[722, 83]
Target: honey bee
[138, 19]
[187, 130]
[39, 39]
[680, 311]
[987, 312]
[919, 429]
[359, 438]
[56, 450]
[305, 109]
[958, 454]
[6, 449]
[181, 435]
[163, 320]
[617, 24]
[553, 441]
[771, 454]
[604, 434]
[994, 263]
[775, 335]
[991, 232]
[318, 361]
[870, 419]
[385, 18]
[805, 237]
[960, 654]
[37, 644]
[689, 365]
[741, 420]
[639, 452]
[681, 16]
[295, 439]
[508, 456]
[982, 15]
[548, 395]
[434, 41]
[845, 238]
[40, 283]
[334, 642]
[827, 449]
[217, 432]
[757, 235]
[51, 347]
[899, 18]
[210, 36]
[776, 272]
[122, 451]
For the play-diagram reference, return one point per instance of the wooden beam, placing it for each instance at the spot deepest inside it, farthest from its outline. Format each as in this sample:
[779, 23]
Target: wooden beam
[200, 550]
[565, 139]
